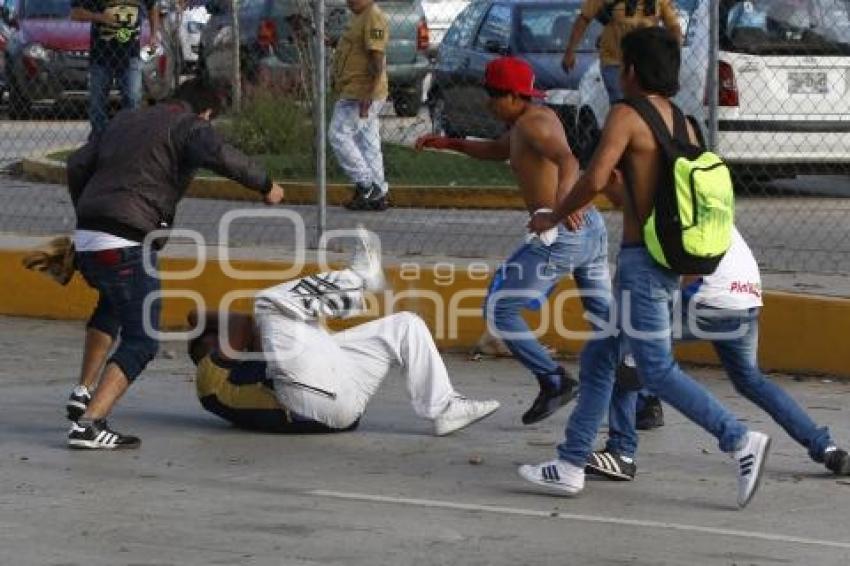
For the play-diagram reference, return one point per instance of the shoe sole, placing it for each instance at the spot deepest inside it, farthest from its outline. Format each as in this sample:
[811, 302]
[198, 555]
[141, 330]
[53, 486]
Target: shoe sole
[461, 424]
[551, 487]
[765, 452]
[565, 400]
[90, 445]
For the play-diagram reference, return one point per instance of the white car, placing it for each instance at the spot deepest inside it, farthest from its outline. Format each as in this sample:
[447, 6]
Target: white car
[193, 19]
[784, 76]
[439, 15]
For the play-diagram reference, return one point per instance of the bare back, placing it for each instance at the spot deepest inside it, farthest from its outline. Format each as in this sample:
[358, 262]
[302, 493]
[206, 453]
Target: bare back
[538, 155]
[641, 162]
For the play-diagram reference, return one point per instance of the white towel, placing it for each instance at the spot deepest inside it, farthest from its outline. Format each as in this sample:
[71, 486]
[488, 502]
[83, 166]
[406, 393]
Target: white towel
[549, 236]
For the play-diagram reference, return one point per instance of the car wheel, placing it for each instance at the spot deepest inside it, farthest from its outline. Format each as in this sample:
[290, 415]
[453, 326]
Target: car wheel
[407, 103]
[20, 107]
[588, 136]
[439, 123]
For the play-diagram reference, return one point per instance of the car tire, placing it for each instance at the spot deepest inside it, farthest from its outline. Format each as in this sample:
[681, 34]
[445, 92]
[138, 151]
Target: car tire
[407, 103]
[20, 107]
[439, 124]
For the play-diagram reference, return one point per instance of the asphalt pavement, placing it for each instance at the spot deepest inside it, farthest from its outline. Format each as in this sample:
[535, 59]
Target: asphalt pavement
[200, 492]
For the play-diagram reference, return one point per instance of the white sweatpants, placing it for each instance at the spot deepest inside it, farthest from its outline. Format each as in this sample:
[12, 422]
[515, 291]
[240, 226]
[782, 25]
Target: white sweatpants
[331, 377]
[356, 142]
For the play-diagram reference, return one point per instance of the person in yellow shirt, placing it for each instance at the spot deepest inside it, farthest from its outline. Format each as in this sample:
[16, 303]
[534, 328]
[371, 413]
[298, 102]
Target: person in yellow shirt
[360, 84]
[618, 17]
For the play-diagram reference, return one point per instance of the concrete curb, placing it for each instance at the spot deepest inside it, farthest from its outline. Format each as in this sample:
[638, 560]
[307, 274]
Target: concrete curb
[799, 333]
[47, 170]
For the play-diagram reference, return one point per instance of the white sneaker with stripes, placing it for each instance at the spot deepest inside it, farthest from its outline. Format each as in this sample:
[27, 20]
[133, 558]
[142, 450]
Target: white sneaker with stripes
[556, 475]
[98, 436]
[462, 412]
[750, 460]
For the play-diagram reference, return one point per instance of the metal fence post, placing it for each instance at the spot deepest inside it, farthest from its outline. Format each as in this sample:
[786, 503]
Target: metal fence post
[712, 92]
[320, 121]
[236, 86]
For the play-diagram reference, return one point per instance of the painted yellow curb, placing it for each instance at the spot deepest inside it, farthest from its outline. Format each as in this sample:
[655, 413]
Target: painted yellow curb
[799, 333]
[405, 196]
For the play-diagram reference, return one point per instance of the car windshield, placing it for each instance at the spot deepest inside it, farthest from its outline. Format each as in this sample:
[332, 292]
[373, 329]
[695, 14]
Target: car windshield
[786, 27]
[52, 9]
[546, 29]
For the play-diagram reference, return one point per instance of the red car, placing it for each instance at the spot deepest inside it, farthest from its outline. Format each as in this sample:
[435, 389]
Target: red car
[47, 57]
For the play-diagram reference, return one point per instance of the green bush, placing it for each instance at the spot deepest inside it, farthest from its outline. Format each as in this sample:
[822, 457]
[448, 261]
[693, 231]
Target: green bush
[272, 124]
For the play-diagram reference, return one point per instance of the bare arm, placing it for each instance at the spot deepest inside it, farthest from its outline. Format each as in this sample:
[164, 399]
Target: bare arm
[615, 190]
[551, 143]
[488, 150]
[670, 19]
[615, 139]
[377, 61]
[155, 22]
[579, 29]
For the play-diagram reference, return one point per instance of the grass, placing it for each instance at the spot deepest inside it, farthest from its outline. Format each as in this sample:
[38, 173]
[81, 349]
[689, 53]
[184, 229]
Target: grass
[403, 165]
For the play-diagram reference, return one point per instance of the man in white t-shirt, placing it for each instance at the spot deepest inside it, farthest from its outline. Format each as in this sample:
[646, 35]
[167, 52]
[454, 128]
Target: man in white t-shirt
[724, 309]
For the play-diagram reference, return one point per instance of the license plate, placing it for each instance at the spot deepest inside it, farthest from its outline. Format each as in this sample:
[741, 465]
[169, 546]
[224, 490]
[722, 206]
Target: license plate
[807, 83]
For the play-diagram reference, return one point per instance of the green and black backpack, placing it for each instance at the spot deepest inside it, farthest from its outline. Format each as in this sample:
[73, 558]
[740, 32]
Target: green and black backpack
[690, 226]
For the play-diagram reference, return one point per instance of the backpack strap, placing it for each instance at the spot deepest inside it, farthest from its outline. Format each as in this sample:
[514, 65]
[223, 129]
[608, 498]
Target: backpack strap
[680, 126]
[698, 132]
[653, 119]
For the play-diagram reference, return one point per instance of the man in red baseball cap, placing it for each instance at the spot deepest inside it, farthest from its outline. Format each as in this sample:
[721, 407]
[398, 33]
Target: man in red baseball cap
[545, 170]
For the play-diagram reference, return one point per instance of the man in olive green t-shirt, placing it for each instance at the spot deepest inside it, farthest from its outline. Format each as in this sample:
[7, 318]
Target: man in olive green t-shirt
[619, 18]
[360, 83]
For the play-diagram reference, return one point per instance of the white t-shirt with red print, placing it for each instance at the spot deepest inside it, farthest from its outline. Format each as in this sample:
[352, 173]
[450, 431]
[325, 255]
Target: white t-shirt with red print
[736, 284]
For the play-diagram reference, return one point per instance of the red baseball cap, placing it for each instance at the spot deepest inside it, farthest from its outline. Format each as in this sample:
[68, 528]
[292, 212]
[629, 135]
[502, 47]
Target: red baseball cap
[509, 74]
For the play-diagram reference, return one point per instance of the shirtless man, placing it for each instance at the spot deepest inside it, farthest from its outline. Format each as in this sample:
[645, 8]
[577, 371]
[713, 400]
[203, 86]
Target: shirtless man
[644, 289]
[545, 170]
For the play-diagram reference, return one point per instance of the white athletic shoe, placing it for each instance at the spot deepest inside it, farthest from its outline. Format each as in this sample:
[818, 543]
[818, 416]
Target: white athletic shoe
[558, 476]
[750, 460]
[366, 260]
[462, 412]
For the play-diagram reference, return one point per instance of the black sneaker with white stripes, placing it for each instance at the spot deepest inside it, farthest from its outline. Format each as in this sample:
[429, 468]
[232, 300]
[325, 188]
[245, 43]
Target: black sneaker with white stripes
[611, 465]
[98, 436]
[78, 402]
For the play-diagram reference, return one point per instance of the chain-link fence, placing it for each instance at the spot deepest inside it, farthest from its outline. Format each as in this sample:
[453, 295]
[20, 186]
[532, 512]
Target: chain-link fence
[771, 96]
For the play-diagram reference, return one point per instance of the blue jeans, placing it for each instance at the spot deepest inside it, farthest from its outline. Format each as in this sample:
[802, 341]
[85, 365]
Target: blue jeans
[611, 79]
[120, 278]
[531, 273]
[738, 352]
[645, 292]
[101, 76]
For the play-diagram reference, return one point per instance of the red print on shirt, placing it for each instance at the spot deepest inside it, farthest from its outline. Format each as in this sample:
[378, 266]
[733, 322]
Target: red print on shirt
[745, 288]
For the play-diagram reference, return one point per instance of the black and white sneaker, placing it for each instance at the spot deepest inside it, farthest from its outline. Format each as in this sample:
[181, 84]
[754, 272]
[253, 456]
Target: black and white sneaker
[98, 436]
[368, 197]
[837, 461]
[611, 465]
[78, 402]
[750, 460]
[550, 399]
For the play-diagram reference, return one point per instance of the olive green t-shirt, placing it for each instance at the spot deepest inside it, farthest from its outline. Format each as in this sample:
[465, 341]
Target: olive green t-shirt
[367, 31]
[620, 25]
